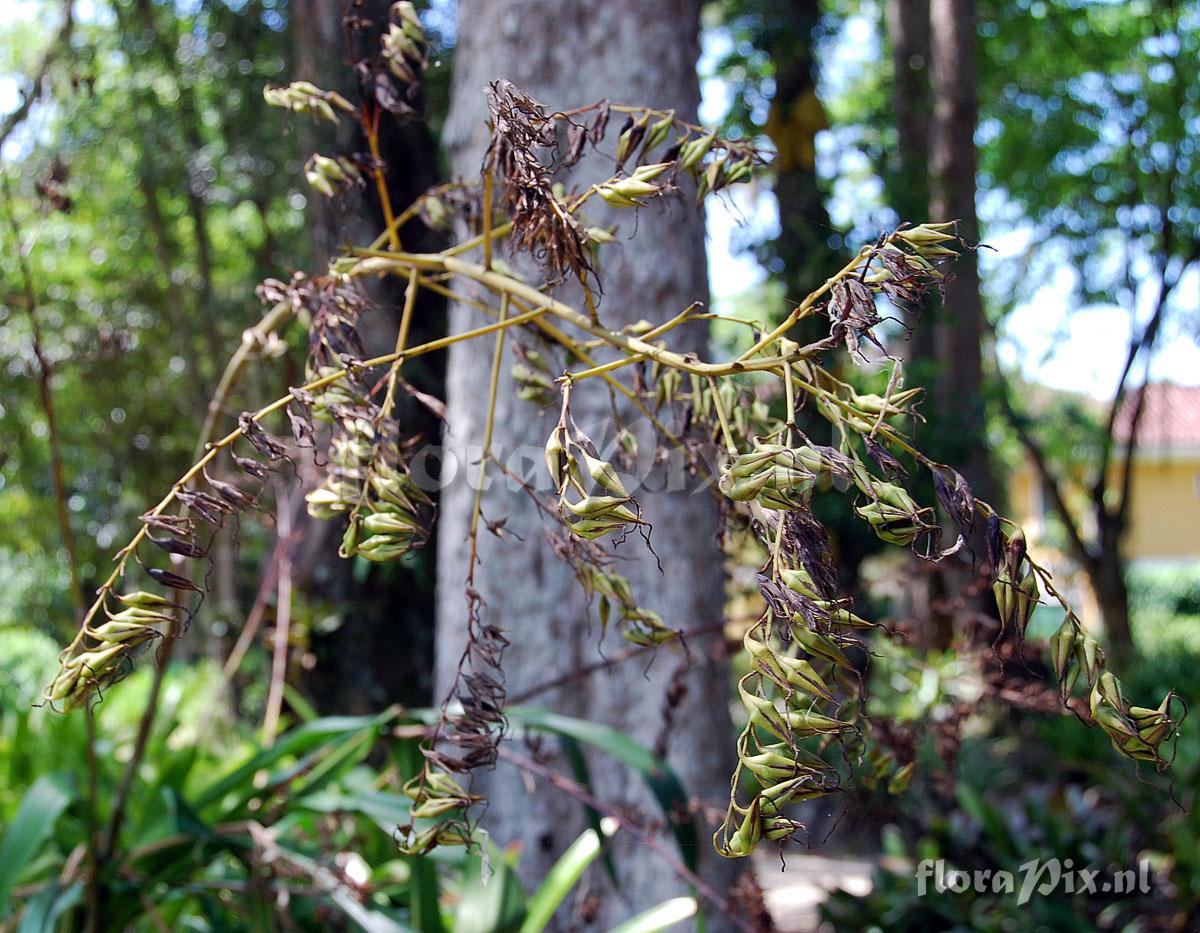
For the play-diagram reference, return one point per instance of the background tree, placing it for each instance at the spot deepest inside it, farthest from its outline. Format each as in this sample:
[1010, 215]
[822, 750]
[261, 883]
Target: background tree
[1104, 156]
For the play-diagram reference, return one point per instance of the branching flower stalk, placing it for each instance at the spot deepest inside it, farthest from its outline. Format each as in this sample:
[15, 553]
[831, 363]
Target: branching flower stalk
[803, 694]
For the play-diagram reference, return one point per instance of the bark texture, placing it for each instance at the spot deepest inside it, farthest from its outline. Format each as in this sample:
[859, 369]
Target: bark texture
[567, 53]
[959, 329]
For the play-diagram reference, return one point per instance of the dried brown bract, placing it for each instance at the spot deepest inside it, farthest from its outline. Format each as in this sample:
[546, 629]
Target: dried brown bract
[524, 157]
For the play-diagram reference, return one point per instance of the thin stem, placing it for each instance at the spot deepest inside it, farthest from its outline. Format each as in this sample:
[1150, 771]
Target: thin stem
[371, 128]
[410, 302]
[283, 615]
[803, 308]
[280, 403]
[573, 347]
[487, 216]
[253, 340]
[674, 322]
[489, 426]
[719, 405]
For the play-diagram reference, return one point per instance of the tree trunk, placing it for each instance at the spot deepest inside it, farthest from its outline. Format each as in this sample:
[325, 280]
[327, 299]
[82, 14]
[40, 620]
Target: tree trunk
[358, 669]
[567, 53]
[796, 116]
[908, 35]
[1106, 573]
[960, 326]
[907, 181]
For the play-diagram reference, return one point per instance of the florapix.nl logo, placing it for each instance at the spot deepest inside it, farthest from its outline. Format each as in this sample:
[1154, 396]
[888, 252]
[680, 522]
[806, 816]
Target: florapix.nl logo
[1042, 877]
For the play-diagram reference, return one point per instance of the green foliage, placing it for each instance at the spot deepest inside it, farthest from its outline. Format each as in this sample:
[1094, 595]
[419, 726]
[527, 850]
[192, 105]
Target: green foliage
[1094, 143]
[1035, 788]
[315, 812]
[182, 195]
[1160, 593]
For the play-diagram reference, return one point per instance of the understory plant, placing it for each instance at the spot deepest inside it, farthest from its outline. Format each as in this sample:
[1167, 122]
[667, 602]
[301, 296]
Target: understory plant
[803, 690]
[224, 831]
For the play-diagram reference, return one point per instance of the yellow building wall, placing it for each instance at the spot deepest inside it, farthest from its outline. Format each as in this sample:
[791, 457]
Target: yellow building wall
[1164, 521]
[1165, 518]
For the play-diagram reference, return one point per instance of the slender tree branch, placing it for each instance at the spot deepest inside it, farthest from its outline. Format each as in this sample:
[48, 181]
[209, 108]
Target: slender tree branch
[1050, 483]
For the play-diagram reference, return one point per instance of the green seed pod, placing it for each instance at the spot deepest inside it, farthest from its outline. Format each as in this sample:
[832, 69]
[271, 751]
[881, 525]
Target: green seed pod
[630, 137]
[609, 507]
[742, 490]
[604, 474]
[96, 662]
[645, 173]
[389, 524]
[692, 152]
[383, 550]
[749, 833]
[600, 235]
[1062, 647]
[739, 171]
[614, 198]
[770, 767]
[1027, 598]
[64, 684]
[143, 600]
[890, 524]
[799, 581]
[324, 503]
[127, 632]
[1091, 657]
[349, 540]
[818, 645]
[140, 616]
[556, 449]
[657, 134]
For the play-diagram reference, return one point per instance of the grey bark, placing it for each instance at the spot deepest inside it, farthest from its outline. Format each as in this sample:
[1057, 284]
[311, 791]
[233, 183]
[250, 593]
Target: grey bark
[567, 53]
[908, 183]
[908, 35]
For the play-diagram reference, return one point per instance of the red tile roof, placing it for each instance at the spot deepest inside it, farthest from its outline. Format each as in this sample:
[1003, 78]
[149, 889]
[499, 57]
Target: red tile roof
[1171, 417]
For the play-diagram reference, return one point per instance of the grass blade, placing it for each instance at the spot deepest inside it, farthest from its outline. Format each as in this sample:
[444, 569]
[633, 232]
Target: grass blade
[662, 917]
[560, 879]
